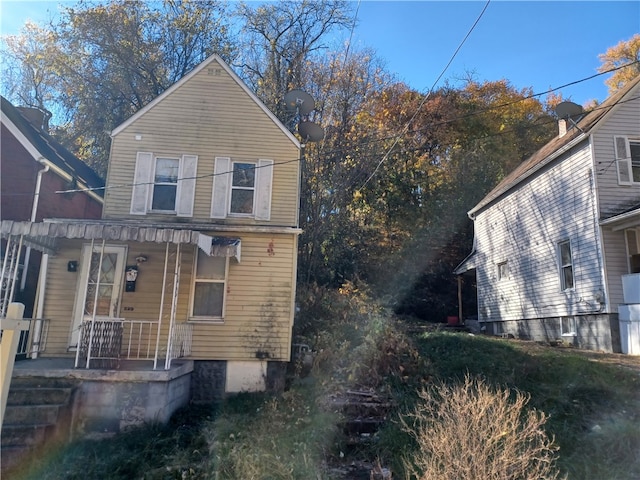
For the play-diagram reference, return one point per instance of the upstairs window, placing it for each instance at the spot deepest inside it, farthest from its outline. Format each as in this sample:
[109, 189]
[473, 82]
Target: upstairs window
[165, 184]
[242, 189]
[627, 151]
[566, 265]
[243, 186]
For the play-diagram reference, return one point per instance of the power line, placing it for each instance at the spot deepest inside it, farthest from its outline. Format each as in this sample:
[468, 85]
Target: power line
[406, 127]
[396, 136]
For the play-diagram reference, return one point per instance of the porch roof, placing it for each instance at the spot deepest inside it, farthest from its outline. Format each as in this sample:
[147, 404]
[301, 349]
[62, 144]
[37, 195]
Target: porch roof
[627, 219]
[44, 236]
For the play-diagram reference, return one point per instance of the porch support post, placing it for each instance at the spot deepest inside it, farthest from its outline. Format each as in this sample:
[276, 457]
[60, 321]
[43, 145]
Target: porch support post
[174, 305]
[39, 310]
[11, 326]
[164, 288]
[460, 300]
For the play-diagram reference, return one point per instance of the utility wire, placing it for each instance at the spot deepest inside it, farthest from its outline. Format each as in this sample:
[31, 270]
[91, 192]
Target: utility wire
[443, 122]
[406, 127]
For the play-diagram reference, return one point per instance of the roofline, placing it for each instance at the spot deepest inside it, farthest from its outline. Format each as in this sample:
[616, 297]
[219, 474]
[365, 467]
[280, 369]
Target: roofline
[525, 175]
[622, 220]
[194, 72]
[592, 126]
[38, 157]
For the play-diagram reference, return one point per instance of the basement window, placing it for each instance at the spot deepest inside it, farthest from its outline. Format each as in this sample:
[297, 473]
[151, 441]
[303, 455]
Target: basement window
[568, 327]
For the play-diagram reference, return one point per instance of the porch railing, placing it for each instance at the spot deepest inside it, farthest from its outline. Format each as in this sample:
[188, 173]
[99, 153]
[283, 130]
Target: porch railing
[104, 341]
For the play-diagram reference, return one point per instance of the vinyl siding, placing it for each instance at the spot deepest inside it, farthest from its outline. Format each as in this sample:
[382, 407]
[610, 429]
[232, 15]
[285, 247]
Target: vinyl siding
[259, 298]
[524, 229]
[612, 197]
[210, 116]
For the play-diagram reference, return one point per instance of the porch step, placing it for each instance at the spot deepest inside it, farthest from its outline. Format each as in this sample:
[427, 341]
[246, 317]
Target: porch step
[38, 411]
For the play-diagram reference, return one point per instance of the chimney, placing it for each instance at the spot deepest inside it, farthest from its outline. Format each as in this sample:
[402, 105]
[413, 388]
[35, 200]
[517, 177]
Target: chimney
[562, 127]
[38, 118]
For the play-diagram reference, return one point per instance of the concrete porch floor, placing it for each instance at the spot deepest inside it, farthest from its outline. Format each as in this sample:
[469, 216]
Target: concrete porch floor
[129, 370]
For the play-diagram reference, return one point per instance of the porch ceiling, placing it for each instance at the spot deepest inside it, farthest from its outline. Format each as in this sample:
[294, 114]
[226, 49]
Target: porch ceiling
[44, 236]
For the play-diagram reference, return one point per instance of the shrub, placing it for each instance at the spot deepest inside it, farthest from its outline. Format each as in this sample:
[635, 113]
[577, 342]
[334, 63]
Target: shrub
[469, 430]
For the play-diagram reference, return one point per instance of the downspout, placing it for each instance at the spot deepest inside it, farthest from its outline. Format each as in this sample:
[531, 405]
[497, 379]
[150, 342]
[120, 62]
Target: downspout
[34, 211]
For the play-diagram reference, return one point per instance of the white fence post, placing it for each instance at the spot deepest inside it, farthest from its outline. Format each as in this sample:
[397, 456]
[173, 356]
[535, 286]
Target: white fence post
[11, 327]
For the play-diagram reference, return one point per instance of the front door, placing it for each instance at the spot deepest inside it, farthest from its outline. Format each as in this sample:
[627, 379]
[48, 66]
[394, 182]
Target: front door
[102, 270]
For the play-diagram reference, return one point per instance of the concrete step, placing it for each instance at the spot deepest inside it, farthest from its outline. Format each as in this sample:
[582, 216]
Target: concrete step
[11, 457]
[22, 395]
[31, 414]
[25, 435]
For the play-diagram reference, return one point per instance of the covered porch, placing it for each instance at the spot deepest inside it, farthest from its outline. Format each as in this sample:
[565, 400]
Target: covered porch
[104, 336]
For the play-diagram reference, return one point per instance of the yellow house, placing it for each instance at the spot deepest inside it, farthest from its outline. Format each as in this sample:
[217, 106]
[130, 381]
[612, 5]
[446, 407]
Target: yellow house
[193, 264]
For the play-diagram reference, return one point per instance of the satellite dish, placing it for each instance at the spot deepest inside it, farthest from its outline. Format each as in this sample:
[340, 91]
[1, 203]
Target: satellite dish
[568, 110]
[310, 131]
[300, 101]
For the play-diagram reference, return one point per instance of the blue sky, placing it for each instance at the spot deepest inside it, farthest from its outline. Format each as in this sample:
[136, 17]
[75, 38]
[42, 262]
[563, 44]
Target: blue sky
[538, 44]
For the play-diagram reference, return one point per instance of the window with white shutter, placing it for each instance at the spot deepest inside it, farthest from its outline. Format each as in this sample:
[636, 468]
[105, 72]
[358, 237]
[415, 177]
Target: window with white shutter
[242, 188]
[627, 153]
[164, 184]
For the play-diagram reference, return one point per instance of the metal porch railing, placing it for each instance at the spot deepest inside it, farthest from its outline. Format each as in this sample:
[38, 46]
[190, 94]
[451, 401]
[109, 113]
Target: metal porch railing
[105, 341]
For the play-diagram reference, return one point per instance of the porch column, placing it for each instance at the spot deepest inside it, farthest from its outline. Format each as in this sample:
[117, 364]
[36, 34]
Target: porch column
[12, 326]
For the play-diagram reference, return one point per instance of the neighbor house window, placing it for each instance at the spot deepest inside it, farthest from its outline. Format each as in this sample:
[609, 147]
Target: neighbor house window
[503, 271]
[243, 185]
[633, 251]
[627, 151]
[568, 326]
[566, 265]
[634, 147]
[209, 286]
[165, 184]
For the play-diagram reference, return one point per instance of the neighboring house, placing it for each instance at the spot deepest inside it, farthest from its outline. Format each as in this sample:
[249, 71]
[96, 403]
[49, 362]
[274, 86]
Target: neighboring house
[33, 167]
[555, 238]
[194, 258]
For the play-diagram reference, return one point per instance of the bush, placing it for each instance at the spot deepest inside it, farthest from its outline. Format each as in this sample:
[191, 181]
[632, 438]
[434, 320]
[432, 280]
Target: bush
[468, 430]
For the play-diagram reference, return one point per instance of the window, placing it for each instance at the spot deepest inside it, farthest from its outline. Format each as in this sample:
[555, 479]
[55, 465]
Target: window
[243, 185]
[634, 147]
[165, 184]
[503, 271]
[566, 265]
[242, 188]
[627, 152]
[568, 326]
[209, 286]
[633, 251]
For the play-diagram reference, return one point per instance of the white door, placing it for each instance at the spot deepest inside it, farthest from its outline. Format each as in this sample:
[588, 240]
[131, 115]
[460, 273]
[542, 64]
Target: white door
[101, 275]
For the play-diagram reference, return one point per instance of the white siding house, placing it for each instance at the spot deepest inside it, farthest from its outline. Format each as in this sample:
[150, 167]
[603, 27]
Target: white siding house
[555, 237]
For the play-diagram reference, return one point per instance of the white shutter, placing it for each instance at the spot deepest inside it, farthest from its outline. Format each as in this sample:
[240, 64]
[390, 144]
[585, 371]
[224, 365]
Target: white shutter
[263, 189]
[141, 183]
[186, 185]
[623, 160]
[221, 182]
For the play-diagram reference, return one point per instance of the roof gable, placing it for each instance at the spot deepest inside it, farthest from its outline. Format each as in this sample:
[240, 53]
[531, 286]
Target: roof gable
[556, 147]
[41, 144]
[206, 63]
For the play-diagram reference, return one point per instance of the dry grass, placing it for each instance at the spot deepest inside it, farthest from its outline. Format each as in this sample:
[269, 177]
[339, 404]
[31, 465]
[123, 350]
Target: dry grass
[472, 431]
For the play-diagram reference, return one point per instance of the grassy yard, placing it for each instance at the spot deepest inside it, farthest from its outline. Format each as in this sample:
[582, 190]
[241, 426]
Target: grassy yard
[591, 401]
